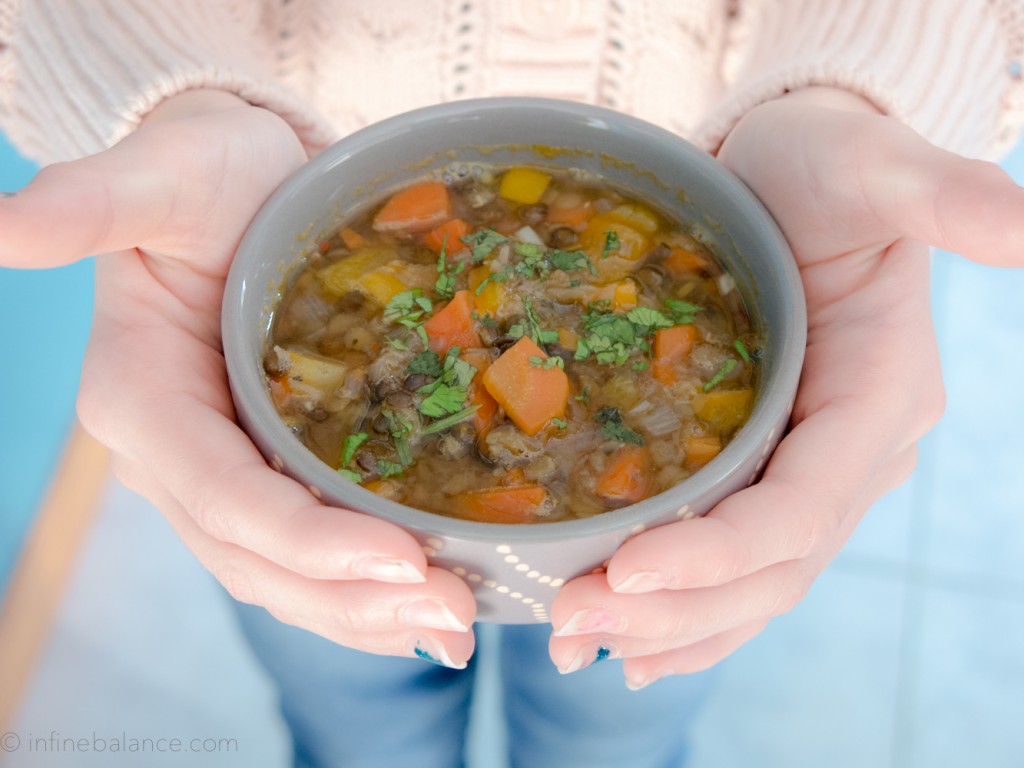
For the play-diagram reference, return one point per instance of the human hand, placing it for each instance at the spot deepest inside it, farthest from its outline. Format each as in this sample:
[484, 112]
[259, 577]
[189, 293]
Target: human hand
[167, 207]
[857, 195]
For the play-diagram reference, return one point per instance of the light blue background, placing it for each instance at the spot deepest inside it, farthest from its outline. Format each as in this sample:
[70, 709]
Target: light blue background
[44, 317]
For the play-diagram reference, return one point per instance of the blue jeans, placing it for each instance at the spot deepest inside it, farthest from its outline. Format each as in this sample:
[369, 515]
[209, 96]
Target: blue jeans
[352, 709]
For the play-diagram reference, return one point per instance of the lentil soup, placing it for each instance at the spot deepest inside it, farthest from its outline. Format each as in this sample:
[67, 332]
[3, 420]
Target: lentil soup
[513, 345]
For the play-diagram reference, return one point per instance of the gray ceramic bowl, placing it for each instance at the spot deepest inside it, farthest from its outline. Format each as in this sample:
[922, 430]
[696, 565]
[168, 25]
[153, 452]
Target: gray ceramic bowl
[516, 570]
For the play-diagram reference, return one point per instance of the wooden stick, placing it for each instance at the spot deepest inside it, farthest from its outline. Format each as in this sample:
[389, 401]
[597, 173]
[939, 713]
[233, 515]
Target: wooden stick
[50, 552]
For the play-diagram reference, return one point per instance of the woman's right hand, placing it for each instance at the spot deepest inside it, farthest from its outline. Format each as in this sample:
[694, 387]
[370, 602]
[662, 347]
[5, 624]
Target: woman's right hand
[167, 207]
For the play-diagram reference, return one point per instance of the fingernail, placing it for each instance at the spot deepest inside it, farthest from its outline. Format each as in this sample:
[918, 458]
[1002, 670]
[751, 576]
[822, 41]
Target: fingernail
[592, 620]
[640, 582]
[388, 569]
[585, 657]
[431, 650]
[430, 613]
[635, 684]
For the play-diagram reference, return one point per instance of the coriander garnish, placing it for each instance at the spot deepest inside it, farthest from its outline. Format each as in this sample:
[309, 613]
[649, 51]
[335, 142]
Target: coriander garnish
[612, 427]
[741, 348]
[611, 243]
[725, 370]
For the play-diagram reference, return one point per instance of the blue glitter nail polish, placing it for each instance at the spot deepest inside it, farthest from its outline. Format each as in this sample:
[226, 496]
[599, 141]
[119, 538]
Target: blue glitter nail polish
[602, 654]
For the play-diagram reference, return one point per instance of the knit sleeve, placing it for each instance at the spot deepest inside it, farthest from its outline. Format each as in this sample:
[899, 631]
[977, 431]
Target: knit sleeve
[951, 69]
[78, 75]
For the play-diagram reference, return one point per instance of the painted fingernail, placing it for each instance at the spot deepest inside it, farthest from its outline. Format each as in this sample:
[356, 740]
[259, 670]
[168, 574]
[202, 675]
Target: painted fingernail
[592, 620]
[585, 657]
[431, 613]
[640, 582]
[388, 569]
[431, 650]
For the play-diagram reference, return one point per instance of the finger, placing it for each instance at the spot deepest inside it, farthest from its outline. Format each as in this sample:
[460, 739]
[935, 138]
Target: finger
[854, 419]
[430, 619]
[658, 621]
[170, 186]
[642, 671]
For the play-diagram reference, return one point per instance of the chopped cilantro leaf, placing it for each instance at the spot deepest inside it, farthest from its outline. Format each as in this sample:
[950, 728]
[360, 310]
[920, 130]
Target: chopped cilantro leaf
[583, 396]
[444, 400]
[389, 468]
[559, 423]
[568, 261]
[426, 362]
[612, 427]
[482, 242]
[444, 287]
[349, 474]
[351, 444]
[681, 312]
[648, 319]
[407, 308]
[611, 243]
[741, 349]
[447, 394]
[725, 370]
[450, 421]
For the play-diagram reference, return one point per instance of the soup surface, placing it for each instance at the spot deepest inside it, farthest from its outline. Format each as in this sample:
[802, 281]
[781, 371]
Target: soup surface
[513, 345]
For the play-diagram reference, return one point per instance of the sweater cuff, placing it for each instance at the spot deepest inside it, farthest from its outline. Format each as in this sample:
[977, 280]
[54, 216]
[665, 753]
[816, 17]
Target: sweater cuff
[944, 67]
[87, 73]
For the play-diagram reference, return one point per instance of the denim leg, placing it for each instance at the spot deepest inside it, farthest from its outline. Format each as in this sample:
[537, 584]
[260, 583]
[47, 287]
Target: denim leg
[589, 717]
[357, 710]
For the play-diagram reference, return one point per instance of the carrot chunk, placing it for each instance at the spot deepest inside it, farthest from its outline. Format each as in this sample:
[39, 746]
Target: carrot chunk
[514, 504]
[626, 478]
[453, 325]
[352, 239]
[448, 236]
[681, 260]
[531, 392]
[700, 450]
[418, 208]
[483, 417]
[671, 347]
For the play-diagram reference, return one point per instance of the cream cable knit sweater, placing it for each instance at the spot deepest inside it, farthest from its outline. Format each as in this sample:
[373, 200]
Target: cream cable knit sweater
[77, 76]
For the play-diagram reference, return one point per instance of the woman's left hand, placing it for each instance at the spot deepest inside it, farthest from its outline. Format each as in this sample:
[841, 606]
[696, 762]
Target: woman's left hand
[858, 196]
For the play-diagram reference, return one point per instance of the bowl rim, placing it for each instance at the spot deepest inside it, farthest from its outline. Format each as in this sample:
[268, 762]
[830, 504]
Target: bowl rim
[777, 394]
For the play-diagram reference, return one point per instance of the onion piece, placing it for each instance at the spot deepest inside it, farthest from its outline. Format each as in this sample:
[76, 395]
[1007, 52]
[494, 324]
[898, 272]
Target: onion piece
[528, 235]
[657, 419]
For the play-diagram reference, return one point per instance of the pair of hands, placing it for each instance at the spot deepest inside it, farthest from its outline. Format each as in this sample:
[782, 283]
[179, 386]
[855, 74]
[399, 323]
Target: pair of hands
[855, 193]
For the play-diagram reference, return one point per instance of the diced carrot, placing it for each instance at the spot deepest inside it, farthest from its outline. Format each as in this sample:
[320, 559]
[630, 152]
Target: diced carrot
[682, 260]
[375, 485]
[453, 325]
[671, 347]
[530, 393]
[483, 417]
[515, 476]
[514, 504]
[575, 217]
[725, 409]
[418, 208]
[448, 236]
[352, 239]
[626, 478]
[700, 449]
[568, 339]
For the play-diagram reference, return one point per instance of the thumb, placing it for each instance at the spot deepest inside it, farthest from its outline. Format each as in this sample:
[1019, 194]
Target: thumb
[183, 187]
[970, 207]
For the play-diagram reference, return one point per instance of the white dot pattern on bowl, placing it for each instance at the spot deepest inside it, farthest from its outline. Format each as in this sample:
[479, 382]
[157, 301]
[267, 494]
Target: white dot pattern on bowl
[518, 570]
